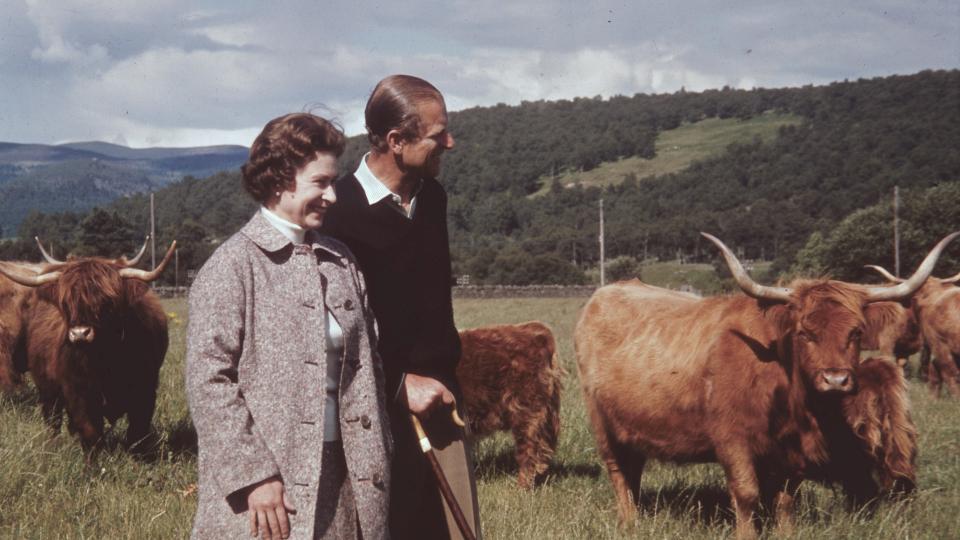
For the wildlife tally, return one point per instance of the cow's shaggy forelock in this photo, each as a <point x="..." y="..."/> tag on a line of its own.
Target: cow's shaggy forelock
<point x="89" y="291"/>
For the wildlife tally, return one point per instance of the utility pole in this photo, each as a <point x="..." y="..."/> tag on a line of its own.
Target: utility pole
<point x="896" y="231"/>
<point x="176" y="269"/>
<point x="153" y="240"/>
<point x="602" y="277"/>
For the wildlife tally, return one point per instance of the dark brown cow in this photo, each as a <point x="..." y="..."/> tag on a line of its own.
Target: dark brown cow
<point x="15" y="306"/>
<point x="511" y="380"/>
<point x="892" y="329"/>
<point x="94" y="343"/>
<point x="937" y="308"/>
<point x="750" y="382"/>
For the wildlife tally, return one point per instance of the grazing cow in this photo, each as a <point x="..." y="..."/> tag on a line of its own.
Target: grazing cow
<point x="746" y="381"/>
<point x="15" y="306"/>
<point x="95" y="342"/>
<point x="511" y="380"/>
<point x="937" y="308"/>
<point x="892" y="329"/>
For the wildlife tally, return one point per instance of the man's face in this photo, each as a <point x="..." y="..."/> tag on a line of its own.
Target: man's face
<point x="422" y="155"/>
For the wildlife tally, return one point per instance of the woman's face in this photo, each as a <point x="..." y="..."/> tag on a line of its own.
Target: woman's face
<point x="312" y="193"/>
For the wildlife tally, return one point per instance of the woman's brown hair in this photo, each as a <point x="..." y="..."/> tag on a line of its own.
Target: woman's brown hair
<point x="286" y="144"/>
<point x="393" y="105"/>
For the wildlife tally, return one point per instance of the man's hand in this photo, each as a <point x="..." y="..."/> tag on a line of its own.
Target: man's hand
<point x="423" y="395"/>
<point x="268" y="505"/>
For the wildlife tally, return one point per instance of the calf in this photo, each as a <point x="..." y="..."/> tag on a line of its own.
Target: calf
<point x="511" y="380"/>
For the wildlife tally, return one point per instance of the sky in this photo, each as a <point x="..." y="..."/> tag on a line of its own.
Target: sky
<point x="194" y="73"/>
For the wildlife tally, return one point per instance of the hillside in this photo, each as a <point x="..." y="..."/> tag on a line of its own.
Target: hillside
<point x="677" y="149"/>
<point x="79" y="176"/>
<point x="763" y="169"/>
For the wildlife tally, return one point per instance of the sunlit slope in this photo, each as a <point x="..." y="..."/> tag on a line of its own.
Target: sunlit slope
<point x="678" y="148"/>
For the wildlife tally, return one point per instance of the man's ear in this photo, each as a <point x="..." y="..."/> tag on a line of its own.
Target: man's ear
<point x="395" y="141"/>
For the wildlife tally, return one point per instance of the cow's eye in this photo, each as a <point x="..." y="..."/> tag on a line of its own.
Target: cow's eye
<point x="805" y="337"/>
<point x="855" y="335"/>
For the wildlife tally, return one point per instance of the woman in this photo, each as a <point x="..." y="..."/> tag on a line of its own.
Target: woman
<point x="279" y="330"/>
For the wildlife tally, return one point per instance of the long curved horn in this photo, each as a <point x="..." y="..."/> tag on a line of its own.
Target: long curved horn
<point x="34" y="280"/>
<point x="748" y="285"/>
<point x="145" y="276"/>
<point x="136" y="260"/>
<point x="953" y="279"/>
<point x="914" y="282"/>
<point x="883" y="272"/>
<point x="49" y="258"/>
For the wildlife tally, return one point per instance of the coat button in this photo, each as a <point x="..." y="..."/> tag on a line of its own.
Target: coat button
<point x="377" y="480"/>
<point x="365" y="422"/>
<point x="348" y="305"/>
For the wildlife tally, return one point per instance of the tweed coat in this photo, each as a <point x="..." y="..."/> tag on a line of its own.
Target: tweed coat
<point x="256" y="364"/>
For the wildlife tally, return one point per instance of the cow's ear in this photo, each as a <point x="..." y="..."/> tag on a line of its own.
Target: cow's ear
<point x="47" y="292"/>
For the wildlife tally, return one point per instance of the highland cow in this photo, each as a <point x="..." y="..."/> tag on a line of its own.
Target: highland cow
<point x="511" y="381"/>
<point x="94" y="343"/>
<point x="752" y="382"/>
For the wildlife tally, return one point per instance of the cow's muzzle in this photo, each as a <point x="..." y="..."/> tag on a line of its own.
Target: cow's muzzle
<point x="835" y="380"/>
<point x="81" y="334"/>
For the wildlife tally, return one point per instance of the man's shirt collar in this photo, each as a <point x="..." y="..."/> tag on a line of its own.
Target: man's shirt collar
<point x="376" y="191"/>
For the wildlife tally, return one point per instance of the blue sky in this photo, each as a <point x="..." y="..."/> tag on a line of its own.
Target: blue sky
<point x="185" y="73"/>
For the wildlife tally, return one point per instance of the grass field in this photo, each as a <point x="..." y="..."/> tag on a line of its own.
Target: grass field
<point x="47" y="491"/>
<point x="678" y="148"/>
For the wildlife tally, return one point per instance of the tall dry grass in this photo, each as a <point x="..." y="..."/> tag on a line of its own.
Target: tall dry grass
<point x="48" y="491"/>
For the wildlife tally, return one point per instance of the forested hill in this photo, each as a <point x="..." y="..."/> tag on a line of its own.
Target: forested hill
<point x="79" y="176"/>
<point x="842" y="147"/>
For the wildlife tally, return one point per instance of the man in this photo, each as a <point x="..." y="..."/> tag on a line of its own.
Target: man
<point x="392" y="213"/>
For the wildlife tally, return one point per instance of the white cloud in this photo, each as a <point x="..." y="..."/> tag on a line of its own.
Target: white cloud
<point x="170" y="70"/>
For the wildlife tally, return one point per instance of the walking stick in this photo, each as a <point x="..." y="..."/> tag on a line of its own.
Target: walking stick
<point x="442" y="483"/>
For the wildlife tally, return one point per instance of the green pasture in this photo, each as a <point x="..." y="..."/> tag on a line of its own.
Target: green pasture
<point x="679" y="148"/>
<point x="47" y="490"/>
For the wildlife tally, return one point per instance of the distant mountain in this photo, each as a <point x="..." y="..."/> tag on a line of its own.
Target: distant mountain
<point x="79" y="176"/>
<point x="123" y="152"/>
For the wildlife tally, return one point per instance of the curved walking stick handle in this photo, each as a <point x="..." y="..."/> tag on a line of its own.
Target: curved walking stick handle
<point x="456" y="417"/>
<point x="422" y="435"/>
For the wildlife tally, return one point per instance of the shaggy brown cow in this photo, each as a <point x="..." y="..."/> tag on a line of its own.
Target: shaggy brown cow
<point x="95" y="341"/>
<point x="937" y="308"/>
<point x="746" y="381"/>
<point x="15" y="302"/>
<point x="891" y="329"/>
<point x="511" y="380"/>
<point x="15" y="305"/>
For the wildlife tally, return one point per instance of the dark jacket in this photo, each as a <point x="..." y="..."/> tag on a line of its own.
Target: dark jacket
<point x="406" y="263"/>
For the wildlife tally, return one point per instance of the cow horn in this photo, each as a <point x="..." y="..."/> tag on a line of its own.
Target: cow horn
<point x="748" y="285"/>
<point x="914" y="282"/>
<point x="34" y="280"/>
<point x="136" y="260"/>
<point x="49" y="258"/>
<point x="143" y="275"/>
<point x="883" y="272"/>
<point x="953" y="279"/>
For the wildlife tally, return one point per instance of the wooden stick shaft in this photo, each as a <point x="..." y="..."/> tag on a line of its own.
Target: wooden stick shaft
<point x="442" y="482"/>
